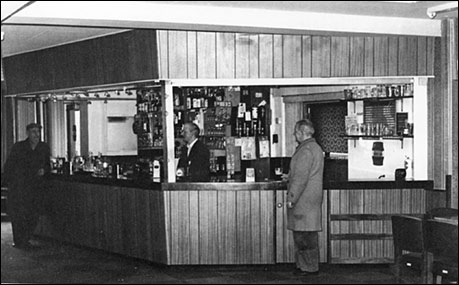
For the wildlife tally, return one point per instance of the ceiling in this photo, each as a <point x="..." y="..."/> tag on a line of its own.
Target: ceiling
<point x="33" y="25"/>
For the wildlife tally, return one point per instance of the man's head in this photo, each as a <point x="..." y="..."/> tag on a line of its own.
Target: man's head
<point x="190" y="132"/>
<point x="304" y="130"/>
<point x="33" y="132"/>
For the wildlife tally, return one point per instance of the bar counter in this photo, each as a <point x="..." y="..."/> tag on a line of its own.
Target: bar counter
<point x="224" y="223"/>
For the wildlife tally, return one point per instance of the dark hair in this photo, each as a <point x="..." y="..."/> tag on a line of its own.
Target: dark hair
<point x="306" y="125"/>
<point x="33" y="126"/>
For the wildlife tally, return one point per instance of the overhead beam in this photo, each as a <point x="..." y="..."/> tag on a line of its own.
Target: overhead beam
<point x="130" y="14"/>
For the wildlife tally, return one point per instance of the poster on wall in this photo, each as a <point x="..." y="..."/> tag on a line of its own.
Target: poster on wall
<point x="248" y="148"/>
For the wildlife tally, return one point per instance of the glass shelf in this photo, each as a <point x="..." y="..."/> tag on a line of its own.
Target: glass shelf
<point x="355" y="137"/>
<point x="376" y="98"/>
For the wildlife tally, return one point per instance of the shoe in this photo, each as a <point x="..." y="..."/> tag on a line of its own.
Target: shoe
<point x="299" y="272"/>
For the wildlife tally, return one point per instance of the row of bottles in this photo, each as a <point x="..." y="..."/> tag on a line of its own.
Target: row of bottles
<point x="250" y="123"/>
<point x="148" y="122"/>
<point x="378" y="91"/>
<point x="149" y="129"/>
<point x="198" y="97"/>
<point x="149" y="100"/>
<point x="148" y="169"/>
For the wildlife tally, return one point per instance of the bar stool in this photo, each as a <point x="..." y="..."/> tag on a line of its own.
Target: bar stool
<point x="440" y="241"/>
<point x="407" y="233"/>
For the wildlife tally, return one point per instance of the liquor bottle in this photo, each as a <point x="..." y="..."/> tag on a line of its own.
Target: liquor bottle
<point x="238" y="127"/>
<point x="261" y="120"/>
<point x="248" y="124"/>
<point x="254" y="126"/>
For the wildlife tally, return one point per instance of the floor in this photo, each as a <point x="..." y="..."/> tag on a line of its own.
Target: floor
<point x="52" y="262"/>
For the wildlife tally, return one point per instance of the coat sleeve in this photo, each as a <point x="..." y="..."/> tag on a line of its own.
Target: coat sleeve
<point x="47" y="158"/>
<point x="299" y="175"/>
<point x="10" y="165"/>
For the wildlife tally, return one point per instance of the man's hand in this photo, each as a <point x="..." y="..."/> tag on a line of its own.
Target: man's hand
<point x="285" y="177"/>
<point x="290" y="205"/>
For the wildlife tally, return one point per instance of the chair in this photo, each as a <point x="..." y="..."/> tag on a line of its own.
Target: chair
<point x="408" y="245"/>
<point x="441" y="213"/>
<point x="440" y="241"/>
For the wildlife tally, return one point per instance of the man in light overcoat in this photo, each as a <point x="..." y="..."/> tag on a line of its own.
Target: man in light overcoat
<point x="304" y="198"/>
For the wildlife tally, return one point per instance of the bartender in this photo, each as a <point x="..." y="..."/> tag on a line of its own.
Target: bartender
<point x="194" y="160"/>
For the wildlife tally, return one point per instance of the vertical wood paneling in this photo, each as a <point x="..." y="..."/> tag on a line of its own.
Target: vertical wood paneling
<point x="180" y="231"/>
<point x="163" y="54"/>
<point x="357" y="60"/>
<point x="178" y="61"/>
<point x="112" y="236"/>
<point x="284" y="238"/>
<point x="292" y="51"/>
<point x="344" y="225"/>
<point x="253" y="57"/>
<point x="369" y="56"/>
<point x="225" y="55"/>
<point x="278" y="57"/>
<point x="356" y="207"/>
<point x="280" y="224"/>
<point x="381" y="56"/>
<point x="255" y="227"/>
<point x="334" y="226"/>
<point x="267" y="227"/>
<point x="393" y="56"/>
<point x="321" y="56"/>
<point x="126" y="221"/>
<point x="340" y="56"/>
<point x="194" y="227"/>
<point x="379" y="224"/>
<point x="227" y="225"/>
<point x="374" y="202"/>
<point x="422" y="56"/>
<point x="208" y="227"/>
<point x="243" y="231"/>
<point x="206" y="55"/>
<point x="407" y="55"/>
<point x="323" y="235"/>
<point x="266" y="56"/>
<point x="143" y="57"/>
<point x="430" y="55"/>
<point x="242" y="55"/>
<point x="191" y="55"/>
<point x="306" y="55"/>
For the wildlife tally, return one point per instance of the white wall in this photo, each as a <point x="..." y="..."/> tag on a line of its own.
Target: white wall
<point x="111" y="138"/>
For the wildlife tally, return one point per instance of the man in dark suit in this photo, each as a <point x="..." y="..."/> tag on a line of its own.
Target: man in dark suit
<point x="25" y="170"/>
<point x="195" y="158"/>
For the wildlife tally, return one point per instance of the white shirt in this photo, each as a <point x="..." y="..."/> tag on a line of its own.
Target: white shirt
<point x="190" y="146"/>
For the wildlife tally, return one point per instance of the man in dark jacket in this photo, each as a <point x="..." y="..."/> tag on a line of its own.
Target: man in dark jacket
<point x="304" y="198"/>
<point x="195" y="157"/>
<point x="24" y="172"/>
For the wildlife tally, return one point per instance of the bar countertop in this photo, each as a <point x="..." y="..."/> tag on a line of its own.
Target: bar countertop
<point x="268" y="185"/>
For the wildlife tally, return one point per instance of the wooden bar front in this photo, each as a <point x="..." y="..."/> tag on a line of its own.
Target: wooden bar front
<point x="224" y="223"/>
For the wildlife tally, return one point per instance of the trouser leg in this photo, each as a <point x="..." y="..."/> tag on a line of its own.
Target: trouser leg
<point x="24" y="220"/>
<point x="306" y="250"/>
